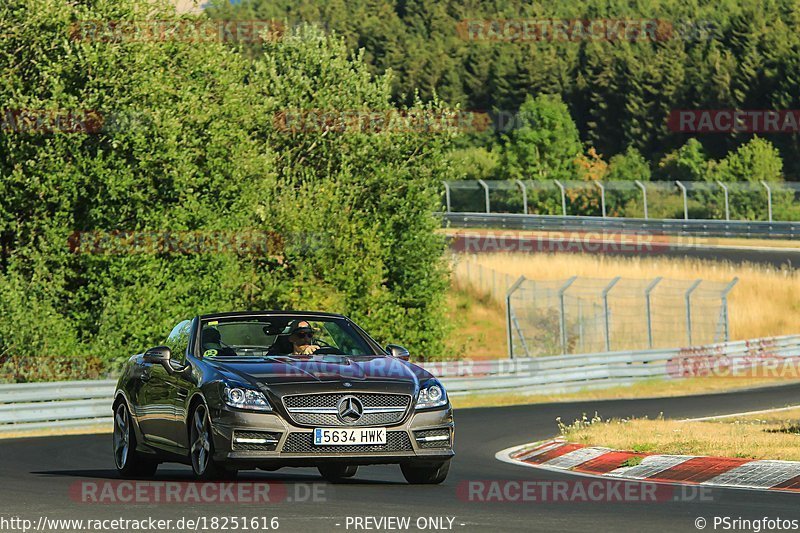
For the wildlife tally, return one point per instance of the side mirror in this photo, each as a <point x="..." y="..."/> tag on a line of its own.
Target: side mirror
<point x="158" y="355"/>
<point x="398" y="352"/>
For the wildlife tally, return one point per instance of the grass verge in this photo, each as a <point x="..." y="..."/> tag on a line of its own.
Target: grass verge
<point x="88" y="430"/>
<point x="764" y="436"/>
<point x="479" y="327"/>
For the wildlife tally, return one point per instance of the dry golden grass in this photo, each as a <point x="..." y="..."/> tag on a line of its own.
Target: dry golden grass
<point x="788" y="416"/>
<point x="643" y="389"/>
<point x="733" y="438"/>
<point x="479" y="328"/>
<point x="766" y="301"/>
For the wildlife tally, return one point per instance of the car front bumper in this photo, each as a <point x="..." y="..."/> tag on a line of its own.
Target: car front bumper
<point x="419" y="439"/>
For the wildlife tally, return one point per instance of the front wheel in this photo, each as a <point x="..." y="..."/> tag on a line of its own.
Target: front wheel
<point x="202" y="448"/>
<point x="425" y="474"/>
<point x="129" y="463"/>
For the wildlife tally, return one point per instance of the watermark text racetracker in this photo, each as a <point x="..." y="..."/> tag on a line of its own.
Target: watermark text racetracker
<point x="197" y="523"/>
<point x="577" y="491"/>
<point x="562" y="242"/>
<point x="115" y="492"/>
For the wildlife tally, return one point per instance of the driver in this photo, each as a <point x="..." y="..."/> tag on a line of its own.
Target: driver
<point x="302" y="339"/>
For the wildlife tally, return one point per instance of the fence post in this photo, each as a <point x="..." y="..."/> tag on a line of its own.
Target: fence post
<point x="725" y="292"/>
<point x="769" y="199"/>
<point x="644" y="196"/>
<point x="562" y="313"/>
<point x="580" y="326"/>
<point x="486" y="194"/>
<point x="602" y="197"/>
<point x="689" y="309"/>
<point x="524" y="196"/>
<point x="647" y="292"/>
<point x="562" y="316"/>
<point x="509" y="316"/>
<point x="447" y="195"/>
<point x="605" y="311"/>
<point x="563" y="197"/>
<point x="685" y="200"/>
<point x="727" y="205"/>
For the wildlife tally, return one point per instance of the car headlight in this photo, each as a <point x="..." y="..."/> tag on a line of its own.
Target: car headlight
<point x="431" y="395"/>
<point x="246" y="399"/>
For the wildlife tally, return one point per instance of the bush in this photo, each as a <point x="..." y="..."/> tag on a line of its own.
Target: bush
<point x="190" y="144"/>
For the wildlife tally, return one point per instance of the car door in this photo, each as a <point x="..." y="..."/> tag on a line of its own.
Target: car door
<point x="179" y="381"/>
<point x="155" y="411"/>
<point x="159" y="395"/>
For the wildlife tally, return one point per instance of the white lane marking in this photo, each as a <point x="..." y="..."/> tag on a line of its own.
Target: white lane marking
<point x="746" y="413"/>
<point x="505" y="456"/>
<point x="760" y="474"/>
<point x="577" y="457"/>
<point x="650" y="466"/>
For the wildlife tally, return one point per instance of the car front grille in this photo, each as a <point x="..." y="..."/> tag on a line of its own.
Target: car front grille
<point x="396" y="441"/>
<point x="259" y="441"/>
<point x="326" y="420"/>
<point x="320" y="409"/>
<point x="433" y="438"/>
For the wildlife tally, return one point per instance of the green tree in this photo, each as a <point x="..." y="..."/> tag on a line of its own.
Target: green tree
<point x="190" y="142"/>
<point x="745" y="169"/>
<point x="687" y="163"/>
<point x="628" y="166"/>
<point x="543" y="143"/>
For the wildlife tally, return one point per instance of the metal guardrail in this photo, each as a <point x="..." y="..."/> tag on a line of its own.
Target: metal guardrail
<point x="693" y="227"/>
<point x="567" y="373"/>
<point x="62" y="404"/>
<point x="32" y="406"/>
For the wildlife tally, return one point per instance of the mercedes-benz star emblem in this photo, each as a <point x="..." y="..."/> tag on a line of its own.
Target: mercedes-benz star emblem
<point x="349" y="409"/>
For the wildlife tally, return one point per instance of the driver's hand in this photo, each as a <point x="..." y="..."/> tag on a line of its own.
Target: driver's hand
<point x="308" y="349"/>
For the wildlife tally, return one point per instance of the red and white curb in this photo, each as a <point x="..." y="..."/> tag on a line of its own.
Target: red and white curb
<point x="562" y="456"/>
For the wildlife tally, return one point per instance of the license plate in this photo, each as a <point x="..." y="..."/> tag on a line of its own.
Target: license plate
<point x="349" y="436"/>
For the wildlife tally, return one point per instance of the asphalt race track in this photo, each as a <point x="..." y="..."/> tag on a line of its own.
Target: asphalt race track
<point x="765" y="255"/>
<point x="37" y="474"/>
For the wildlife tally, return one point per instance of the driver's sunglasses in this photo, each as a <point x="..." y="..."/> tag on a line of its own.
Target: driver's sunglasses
<point x="306" y="335"/>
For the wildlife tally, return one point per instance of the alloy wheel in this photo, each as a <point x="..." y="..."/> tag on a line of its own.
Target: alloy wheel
<point x="122" y="436"/>
<point x="201" y="440"/>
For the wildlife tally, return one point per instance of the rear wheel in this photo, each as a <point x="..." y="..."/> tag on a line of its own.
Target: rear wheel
<point x="425" y="474"/>
<point x="335" y="473"/>
<point x="202" y="448"/>
<point x="129" y="463"/>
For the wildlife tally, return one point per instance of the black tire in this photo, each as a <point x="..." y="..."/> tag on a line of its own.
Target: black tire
<point x="336" y="473"/>
<point x="129" y="462"/>
<point x="425" y="474"/>
<point x="201" y="448"/>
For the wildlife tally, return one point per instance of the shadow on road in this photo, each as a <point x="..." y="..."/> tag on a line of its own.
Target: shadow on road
<point x="184" y="476"/>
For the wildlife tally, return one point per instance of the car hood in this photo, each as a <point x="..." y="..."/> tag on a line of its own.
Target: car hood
<point x="278" y="370"/>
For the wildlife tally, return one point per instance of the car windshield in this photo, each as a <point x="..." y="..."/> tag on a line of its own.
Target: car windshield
<point x="296" y="335"/>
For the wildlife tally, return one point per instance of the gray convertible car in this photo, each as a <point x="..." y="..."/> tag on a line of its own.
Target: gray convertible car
<point x="272" y="389"/>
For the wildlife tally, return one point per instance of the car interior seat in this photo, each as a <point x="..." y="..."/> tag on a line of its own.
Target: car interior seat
<point x="212" y="340"/>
